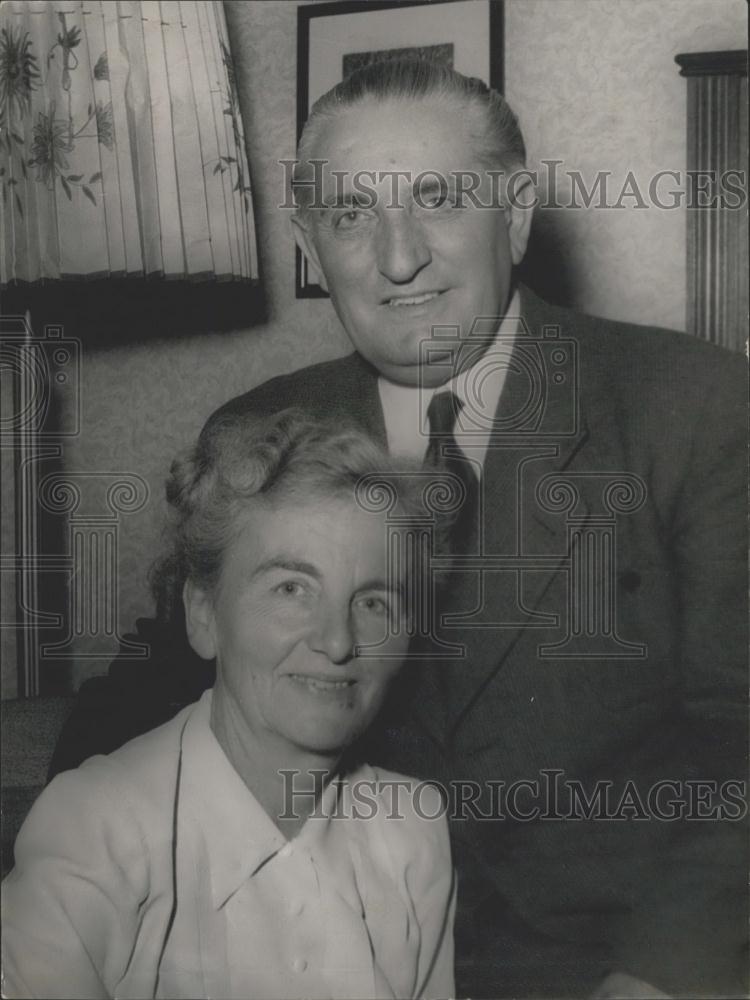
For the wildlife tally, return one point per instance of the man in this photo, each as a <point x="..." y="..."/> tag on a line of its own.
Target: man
<point x="591" y="633"/>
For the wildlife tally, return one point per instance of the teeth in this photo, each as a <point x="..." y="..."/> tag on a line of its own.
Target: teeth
<point x="317" y="684"/>
<point x="415" y="300"/>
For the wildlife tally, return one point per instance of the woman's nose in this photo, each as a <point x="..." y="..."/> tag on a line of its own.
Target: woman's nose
<point x="334" y="636"/>
<point x="402" y="250"/>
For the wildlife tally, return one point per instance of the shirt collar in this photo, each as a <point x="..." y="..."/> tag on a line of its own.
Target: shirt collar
<point x="238" y="835"/>
<point x="479" y="389"/>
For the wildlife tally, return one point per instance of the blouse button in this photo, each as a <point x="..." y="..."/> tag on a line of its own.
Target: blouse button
<point x="299" y="965"/>
<point x="286" y="851"/>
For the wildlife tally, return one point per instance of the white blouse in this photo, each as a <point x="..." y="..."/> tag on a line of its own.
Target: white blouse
<point x="208" y="899"/>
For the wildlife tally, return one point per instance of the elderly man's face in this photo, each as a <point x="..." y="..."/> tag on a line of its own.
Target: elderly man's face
<point x="302" y="585"/>
<point x="398" y="269"/>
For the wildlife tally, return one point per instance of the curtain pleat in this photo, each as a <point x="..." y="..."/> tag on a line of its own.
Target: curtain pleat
<point x="122" y="151"/>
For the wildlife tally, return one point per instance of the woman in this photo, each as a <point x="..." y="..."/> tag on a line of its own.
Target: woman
<point x="239" y="850"/>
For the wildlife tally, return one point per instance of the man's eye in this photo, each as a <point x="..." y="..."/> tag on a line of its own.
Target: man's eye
<point x="435" y="199"/>
<point x="432" y="196"/>
<point x="350" y="219"/>
<point x="290" y="588"/>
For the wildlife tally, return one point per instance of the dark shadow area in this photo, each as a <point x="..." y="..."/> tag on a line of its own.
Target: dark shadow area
<point x="30" y="729"/>
<point x="547" y="267"/>
<point x="112" y="312"/>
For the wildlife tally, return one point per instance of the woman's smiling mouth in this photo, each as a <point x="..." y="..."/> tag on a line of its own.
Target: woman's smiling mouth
<point x="323" y="685"/>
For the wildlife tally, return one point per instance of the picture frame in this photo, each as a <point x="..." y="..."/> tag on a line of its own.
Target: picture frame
<point x="335" y="38"/>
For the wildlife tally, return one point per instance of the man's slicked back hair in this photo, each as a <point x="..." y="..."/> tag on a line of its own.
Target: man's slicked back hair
<point x="497" y="135"/>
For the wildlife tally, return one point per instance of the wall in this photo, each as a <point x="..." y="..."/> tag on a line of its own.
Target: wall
<point x="594" y="84"/>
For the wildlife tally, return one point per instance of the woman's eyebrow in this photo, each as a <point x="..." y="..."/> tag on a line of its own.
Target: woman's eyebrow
<point x="287" y="563"/>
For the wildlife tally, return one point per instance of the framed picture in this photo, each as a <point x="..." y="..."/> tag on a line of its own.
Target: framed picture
<point x="334" y="39"/>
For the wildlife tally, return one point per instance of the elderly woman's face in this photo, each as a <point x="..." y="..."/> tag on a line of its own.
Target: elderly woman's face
<point x="301" y="586"/>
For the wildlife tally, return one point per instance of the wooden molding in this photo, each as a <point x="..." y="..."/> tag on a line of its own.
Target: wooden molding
<point x="730" y="63"/>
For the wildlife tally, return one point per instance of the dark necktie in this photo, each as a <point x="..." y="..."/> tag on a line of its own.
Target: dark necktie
<point x="443" y="454"/>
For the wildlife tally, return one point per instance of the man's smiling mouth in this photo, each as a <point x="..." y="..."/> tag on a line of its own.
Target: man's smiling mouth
<point x="412" y="300"/>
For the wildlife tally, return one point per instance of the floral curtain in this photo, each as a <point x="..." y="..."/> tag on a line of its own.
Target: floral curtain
<point x="121" y="143"/>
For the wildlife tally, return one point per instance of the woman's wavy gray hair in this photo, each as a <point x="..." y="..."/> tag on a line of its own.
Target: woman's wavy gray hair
<point x="241" y="459"/>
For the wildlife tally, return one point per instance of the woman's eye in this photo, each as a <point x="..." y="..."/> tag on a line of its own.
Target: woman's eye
<point x="373" y="605"/>
<point x="290" y="588"/>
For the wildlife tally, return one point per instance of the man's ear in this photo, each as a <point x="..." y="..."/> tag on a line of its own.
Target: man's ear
<point x="519" y="210"/>
<point x="199" y="620"/>
<point x="306" y="243"/>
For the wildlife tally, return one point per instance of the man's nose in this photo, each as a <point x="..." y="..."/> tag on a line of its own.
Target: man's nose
<point x="402" y="248"/>
<point x="333" y="636"/>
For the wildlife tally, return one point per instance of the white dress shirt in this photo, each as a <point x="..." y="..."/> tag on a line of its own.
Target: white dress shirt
<point x="208" y="899"/>
<point x="478" y="387"/>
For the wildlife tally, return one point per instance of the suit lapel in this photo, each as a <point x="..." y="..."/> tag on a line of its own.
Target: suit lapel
<point x="538" y="430"/>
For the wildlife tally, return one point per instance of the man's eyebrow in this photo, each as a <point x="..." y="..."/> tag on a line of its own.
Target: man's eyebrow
<point x="352" y="200"/>
<point x="287" y="563"/>
<point x="431" y="185"/>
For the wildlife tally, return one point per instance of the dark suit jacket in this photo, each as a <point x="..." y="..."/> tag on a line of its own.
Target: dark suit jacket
<point x="646" y="687"/>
